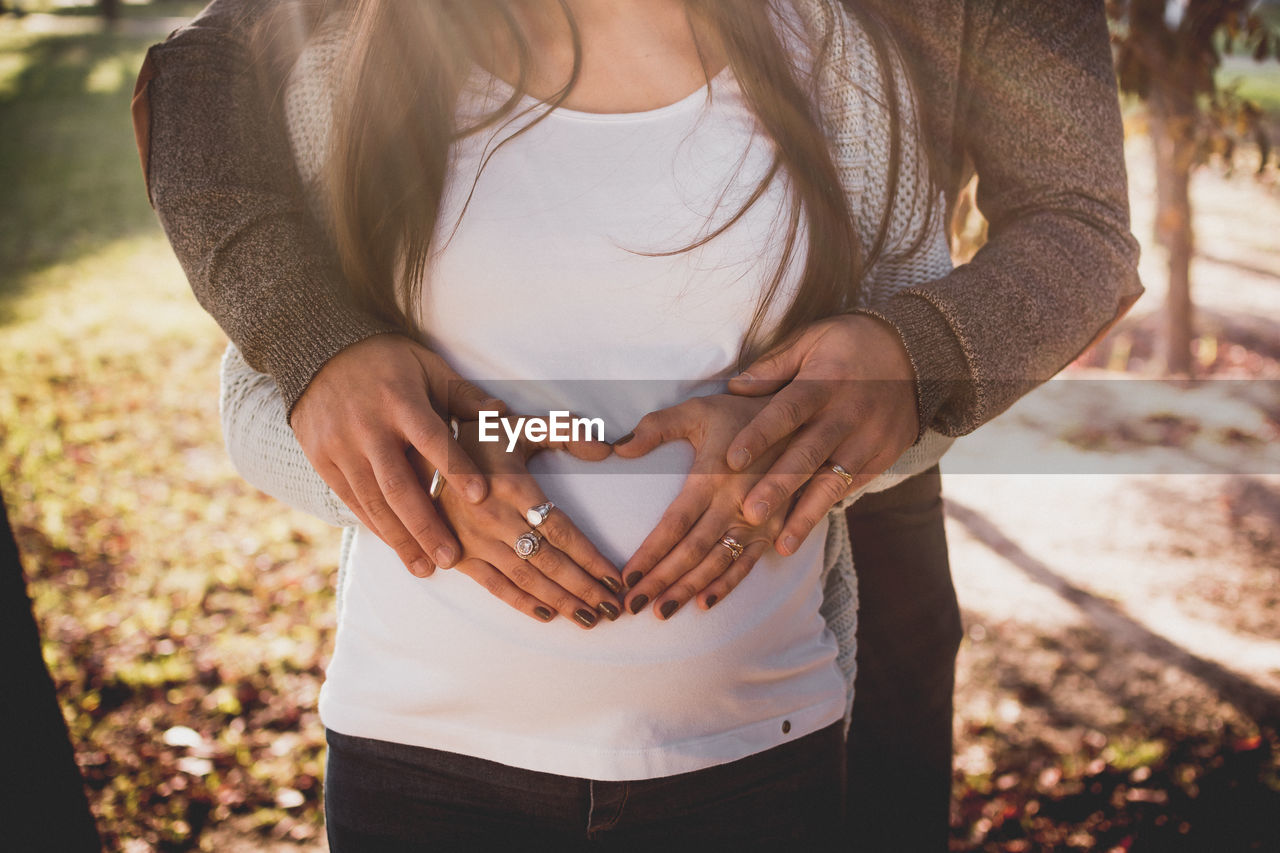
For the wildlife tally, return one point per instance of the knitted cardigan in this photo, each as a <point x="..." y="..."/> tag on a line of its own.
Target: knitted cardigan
<point x="1022" y="91"/>
<point x="851" y="91"/>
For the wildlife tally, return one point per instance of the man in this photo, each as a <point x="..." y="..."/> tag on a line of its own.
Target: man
<point x="1022" y="91"/>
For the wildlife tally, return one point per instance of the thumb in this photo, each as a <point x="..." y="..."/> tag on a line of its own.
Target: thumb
<point x="771" y="371"/>
<point x="655" y="429"/>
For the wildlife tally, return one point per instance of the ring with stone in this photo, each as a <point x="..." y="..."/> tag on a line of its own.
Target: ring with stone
<point x="735" y="547"/>
<point x="844" y="473"/>
<point x="527" y="544"/>
<point x="538" y="514"/>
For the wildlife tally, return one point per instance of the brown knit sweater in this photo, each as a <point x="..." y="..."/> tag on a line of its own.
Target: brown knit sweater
<point x="1021" y="90"/>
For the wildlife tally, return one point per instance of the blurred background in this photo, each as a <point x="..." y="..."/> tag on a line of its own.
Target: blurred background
<point x="1119" y="683"/>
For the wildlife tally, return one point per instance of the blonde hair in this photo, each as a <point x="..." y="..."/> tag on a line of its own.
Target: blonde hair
<point x="404" y="60"/>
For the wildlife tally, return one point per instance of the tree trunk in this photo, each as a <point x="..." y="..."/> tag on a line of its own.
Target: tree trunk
<point x="1172" y="135"/>
<point x="110" y="10"/>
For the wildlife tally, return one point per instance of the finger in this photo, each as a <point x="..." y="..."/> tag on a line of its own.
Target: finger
<point x="378" y="517"/>
<point x="565" y="535"/>
<point x="584" y="440"/>
<point x="789" y="409"/>
<point x="588" y="451"/>
<point x="676" y="522"/>
<point x="769" y="373"/>
<point x="337" y="481"/>
<point x="808" y="453"/>
<point x="714" y="564"/>
<point x="458" y="397"/>
<point x="432" y="438"/>
<point x="499" y="586"/>
<point x="592" y="577"/>
<point x="403" y="494"/>
<point x="557" y="567"/>
<point x="529" y="578"/>
<point x="821" y="494"/>
<point x="655" y="429"/>
<point x="716" y="591"/>
<point x="678" y="562"/>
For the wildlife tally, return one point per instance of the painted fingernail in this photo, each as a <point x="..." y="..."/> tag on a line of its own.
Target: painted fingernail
<point x="711" y="601"/>
<point x="421" y="568"/>
<point x="790" y="544"/>
<point x="638" y="603"/>
<point x="635" y="578"/>
<point x="475" y="493"/>
<point x="608" y="608"/>
<point x="668" y="608"/>
<point x="611" y="584"/>
<point x="444" y="556"/>
<point x="760" y="509"/>
<point x="739" y="459"/>
<point x="543" y="613"/>
<point x="585" y="618"/>
<point x="624" y="439"/>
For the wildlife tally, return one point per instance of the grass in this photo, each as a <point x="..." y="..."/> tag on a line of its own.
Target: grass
<point x="1256" y="81"/>
<point x="72" y="181"/>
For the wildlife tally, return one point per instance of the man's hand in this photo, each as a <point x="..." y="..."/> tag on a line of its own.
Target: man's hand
<point x="843" y="393"/>
<point x="368" y="406"/>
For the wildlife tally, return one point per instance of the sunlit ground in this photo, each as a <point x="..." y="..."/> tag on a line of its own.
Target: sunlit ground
<point x="1118" y="683"/>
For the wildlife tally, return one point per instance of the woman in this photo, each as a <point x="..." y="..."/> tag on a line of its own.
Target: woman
<point x="732" y="173"/>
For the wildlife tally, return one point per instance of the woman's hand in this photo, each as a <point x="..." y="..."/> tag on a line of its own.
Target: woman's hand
<point x="369" y="404"/>
<point x="683" y="557"/>
<point x="566" y="575"/>
<point x="843" y="392"/>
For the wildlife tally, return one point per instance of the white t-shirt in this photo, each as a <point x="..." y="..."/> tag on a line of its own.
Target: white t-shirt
<point x="548" y="295"/>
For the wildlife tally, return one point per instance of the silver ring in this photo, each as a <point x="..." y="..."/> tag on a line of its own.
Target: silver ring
<point x="437" y="479"/>
<point x="735" y="547"/>
<point x="527" y="544"/>
<point x="538" y="514"/>
<point x="844" y="474"/>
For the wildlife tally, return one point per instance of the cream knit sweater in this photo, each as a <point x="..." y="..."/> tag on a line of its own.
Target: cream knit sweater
<point x="852" y="98"/>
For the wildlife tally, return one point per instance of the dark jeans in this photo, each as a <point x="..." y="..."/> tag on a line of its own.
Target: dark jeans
<point x="899" y="750"/>
<point x="389" y="798"/>
<point x="42" y="801"/>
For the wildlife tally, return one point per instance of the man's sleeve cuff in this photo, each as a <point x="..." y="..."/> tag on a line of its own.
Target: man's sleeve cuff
<point x="936" y="356"/>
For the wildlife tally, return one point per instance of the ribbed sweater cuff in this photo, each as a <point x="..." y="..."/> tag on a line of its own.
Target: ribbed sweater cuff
<point x="936" y="356"/>
<point x="294" y="358"/>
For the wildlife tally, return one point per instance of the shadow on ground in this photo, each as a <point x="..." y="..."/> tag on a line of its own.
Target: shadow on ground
<point x="68" y="191"/>
<point x="1104" y="734"/>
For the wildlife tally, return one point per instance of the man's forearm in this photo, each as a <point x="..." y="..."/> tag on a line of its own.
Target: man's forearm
<point x="222" y="178"/>
<point x="1041" y="122"/>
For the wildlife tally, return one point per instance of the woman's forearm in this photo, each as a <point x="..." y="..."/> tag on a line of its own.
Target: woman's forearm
<point x="264" y="449"/>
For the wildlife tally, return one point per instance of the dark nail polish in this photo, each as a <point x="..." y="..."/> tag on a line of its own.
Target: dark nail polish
<point x="669" y="608"/>
<point x="543" y="613"/>
<point x="608" y="608"/>
<point x="624" y="439"/>
<point x="634" y="578"/>
<point x="638" y="603"/>
<point x="711" y="601"/>
<point x="585" y="618"/>
<point x="610" y="584"/>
